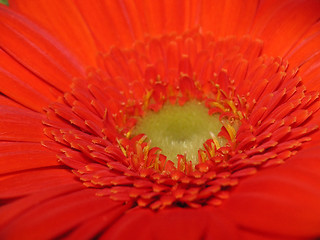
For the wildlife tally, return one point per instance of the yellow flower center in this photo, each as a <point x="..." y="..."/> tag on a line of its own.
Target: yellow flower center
<point x="180" y="129"/>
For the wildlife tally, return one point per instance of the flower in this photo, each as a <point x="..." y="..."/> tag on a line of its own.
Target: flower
<point x="80" y="78"/>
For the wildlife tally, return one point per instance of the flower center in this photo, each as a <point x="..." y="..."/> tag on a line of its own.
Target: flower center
<point x="180" y="129"/>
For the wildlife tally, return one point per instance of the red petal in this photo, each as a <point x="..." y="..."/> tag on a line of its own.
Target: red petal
<point x="25" y="183"/>
<point x="133" y="225"/>
<point x="291" y="18"/>
<point x="224" y="18"/>
<point x="8" y="102"/>
<point x="37" y="50"/>
<point x="310" y="72"/>
<point x="282" y="200"/>
<point x="92" y="227"/>
<point x="10" y="211"/>
<point x="77" y="38"/>
<point x="203" y="223"/>
<point x="99" y="14"/>
<point x="19" y="156"/>
<point x="65" y="212"/>
<point x="176" y="223"/>
<point x="22" y="86"/>
<point x="307" y="47"/>
<point x="20" y="125"/>
<point x="248" y="234"/>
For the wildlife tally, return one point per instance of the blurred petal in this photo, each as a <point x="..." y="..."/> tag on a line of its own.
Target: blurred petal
<point x="137" y="225"/>
<point x="78" y="38"/>
<point x="282" y="24"/>
<point x="172" y="224"/>
<point x="66" y="211"/>
<point x="283" y="200"/>
<point x="19" y="156"/>
<point x="224" y="18"/>
<point x="16" y="208"/>
<point x="50" y="61"/>
<point x="20" y="125"/>
<point x="33" y="181"/>
<point x="22" y="86"/>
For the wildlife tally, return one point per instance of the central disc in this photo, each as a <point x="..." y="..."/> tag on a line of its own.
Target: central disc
<point x="179" y="129"/>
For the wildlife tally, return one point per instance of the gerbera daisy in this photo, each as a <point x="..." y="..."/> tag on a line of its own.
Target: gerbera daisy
<point x="159" y="119"/>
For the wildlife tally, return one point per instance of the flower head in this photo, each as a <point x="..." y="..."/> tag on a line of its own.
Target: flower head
<point x="199" y="123"/>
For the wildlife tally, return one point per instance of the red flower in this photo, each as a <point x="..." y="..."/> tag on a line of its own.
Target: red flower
<point x="77" y="77"/>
